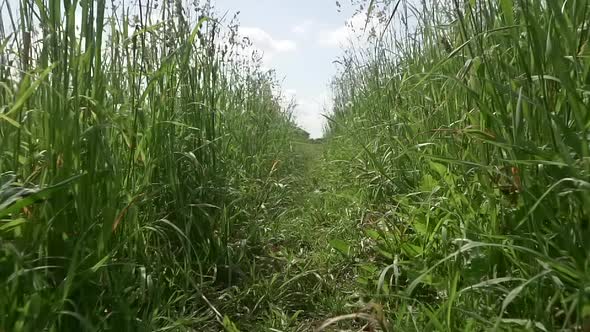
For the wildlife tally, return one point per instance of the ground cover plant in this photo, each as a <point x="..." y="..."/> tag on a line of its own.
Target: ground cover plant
<point x="152" y="178"/>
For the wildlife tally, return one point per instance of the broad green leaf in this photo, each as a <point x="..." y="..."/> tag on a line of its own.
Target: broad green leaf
<point x="428" y="183"/>
<point x="12" y="224"/>
<point x="411" y="250"/>
<point x="420" y="227"/>
<point x="507" y="9"/>
<point x="373" y="234"/>
<point x="516" y="291"/>
<point x="27" y="89"/>
<point x="9" y="120"/>
<point x="100" y="263"/>
<point x="21" y="202"/>
<point x="517" y="118"/>
<point x="439" y="168"/>
<point x="341" y="246"/>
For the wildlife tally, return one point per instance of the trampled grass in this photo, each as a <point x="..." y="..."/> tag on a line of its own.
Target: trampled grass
<point x="151" y="179"/>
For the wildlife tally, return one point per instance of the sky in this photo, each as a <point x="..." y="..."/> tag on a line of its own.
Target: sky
<point x="300" y="40"/>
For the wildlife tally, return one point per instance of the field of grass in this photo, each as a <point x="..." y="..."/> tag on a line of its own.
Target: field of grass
<point x="151" y="178"/>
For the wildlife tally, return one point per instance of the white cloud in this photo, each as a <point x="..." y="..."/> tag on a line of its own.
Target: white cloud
<point x="290" y="93"/>
<point x="308" y="113"/>
<point x="262" y="41"/>
<point x="302" y="28"/>
<point x="335" y="38"/>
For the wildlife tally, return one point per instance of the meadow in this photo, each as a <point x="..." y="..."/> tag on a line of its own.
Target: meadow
<point x="152" y="177"/>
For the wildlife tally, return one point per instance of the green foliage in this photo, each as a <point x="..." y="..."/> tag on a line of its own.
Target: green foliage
<point x="468" y="134"/>
<point x="151" y="180"/>
<point x="136" y="143"/>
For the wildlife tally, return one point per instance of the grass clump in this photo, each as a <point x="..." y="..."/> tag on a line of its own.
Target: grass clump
<point x="135" y="144"/>
<point x="467" y="130"/>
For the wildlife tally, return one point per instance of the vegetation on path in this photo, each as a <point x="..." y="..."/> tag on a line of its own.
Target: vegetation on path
<point x="152" y="179"/>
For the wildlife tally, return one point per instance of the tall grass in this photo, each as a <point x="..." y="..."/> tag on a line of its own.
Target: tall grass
<point x="129" y="137"/>
<point x="468" y="134"/>
<point x="142" y="153"/>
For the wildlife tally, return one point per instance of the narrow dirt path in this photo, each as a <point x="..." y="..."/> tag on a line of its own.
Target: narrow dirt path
<point x="314" y="281"/>
<point x="303" y="273"/>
